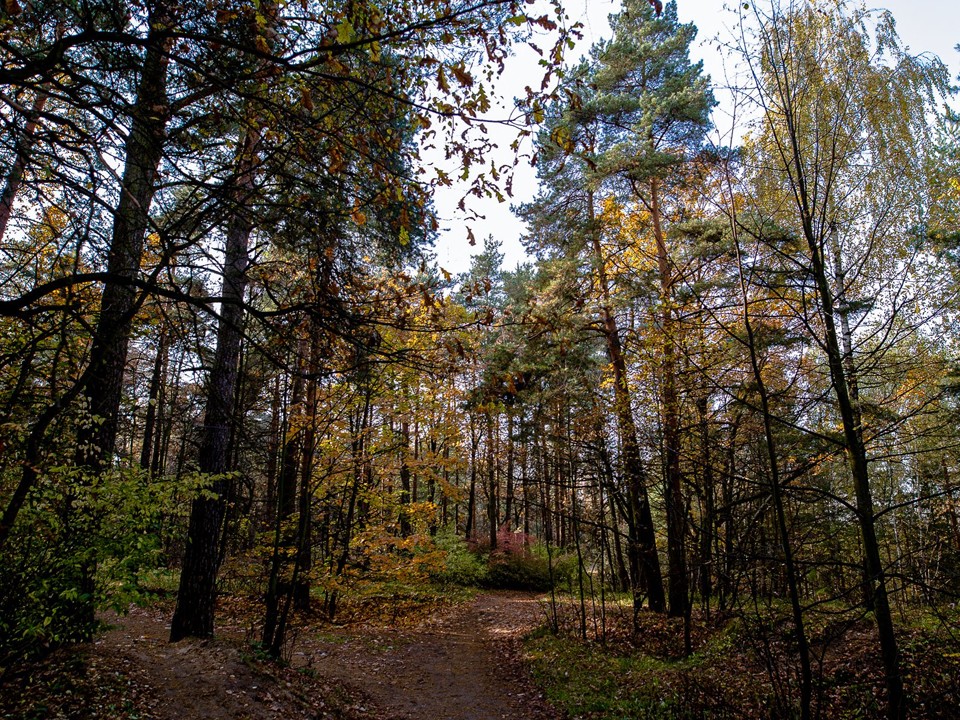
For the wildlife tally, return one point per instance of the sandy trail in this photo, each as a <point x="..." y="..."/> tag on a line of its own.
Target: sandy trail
<point x="460" y="665"/>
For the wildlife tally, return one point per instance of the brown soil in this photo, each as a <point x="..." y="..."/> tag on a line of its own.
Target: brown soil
<point x="461" y="663"/>
<point x="209" y="679"/>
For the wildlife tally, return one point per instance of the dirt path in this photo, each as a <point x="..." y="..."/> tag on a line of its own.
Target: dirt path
<point x="461" y="665"/>
<point x="202" y="679"/>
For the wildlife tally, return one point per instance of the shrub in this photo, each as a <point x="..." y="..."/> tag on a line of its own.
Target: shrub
<point x="518" y="572"/>
<point x="461" y="566"/>
<point x="70" y="526"/>
<point x="519" y="563"/>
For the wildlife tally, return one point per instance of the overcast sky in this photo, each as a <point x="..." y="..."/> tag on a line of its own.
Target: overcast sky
<point x="924" y="26"/>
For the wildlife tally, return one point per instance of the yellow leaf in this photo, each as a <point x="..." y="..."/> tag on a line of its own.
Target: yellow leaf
<point x="561" y="136"/>
<point x="345" y="31"/>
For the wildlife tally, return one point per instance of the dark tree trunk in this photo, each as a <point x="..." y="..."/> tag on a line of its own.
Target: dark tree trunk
<point x="279" y="584"/>
<point x="776" y="492"/>
<point x="274" y="442"/>
<point x="849" y="409"/>
<point x="153" y="402"/>
<point x="491" y="482"/>
<point x="508" y="501"/>
<point x="727" y="589"/>
<point x="301" y="590"/>
<point x="20" y="160"/>
<point x="673" y="494"/>
<point x="144" y="149"/>
<point x="707" y="522"/>
<point x="559" y="480"/>
<point x="405" y="528"/>
<point x="444" y="494"/>
<point x="165" y="424"/>
<point x="194" y="614"/>
<point x="642" y="545"/>
<point x="287" y="480"/>
<point x="432" y="482"/>
<point x="469" y="528"/>
<point x="525" y="494"/>
<point x="96" y="438"/>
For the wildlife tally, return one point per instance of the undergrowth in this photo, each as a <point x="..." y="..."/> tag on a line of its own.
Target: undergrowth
<point x="741" y="668"/>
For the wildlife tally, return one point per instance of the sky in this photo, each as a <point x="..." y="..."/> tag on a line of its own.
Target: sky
<point x="925" y="26"/>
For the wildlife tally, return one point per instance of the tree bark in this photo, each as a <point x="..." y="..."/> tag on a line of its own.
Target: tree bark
<point x="143" y="150"/>
<point x="707" y="522"/>
<point x="673" y="493"/>
<point x="469" y="528"/>
<point x="405" y="528"/>
<point x="511" y="469"/>
<point x="857" y="458"/>
<point x="642" y="544"/>
<point x="301" y="590"/>
<point x="776" y="492"/>
<point x="153" y="401"/>
<point x="194" y="614"/>
<point x="491" y="482"/>
<point x="278" y="585"/>
<point x="20" y="161"/>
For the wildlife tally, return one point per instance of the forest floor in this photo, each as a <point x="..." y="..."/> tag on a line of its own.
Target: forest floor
<point x="462" y="663"/>
<point x="450" y="655"/>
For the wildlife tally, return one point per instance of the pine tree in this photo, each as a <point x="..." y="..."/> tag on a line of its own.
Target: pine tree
<point x="652" y="105"/>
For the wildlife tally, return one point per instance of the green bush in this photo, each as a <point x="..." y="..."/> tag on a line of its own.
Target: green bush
<point x="529" y="568"/>
<point x="516" y="564"/>
<point x="518" y="572"/>
<point x="40" y="603"/>
<point x="461" y="565"/>
<point x="81" y="544"/>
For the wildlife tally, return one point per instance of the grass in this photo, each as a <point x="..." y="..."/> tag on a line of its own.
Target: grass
<point x="744" y="666"/>
<point x="588" y="681"/>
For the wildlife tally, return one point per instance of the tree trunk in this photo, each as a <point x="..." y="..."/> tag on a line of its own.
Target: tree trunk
<point x="301" y="590"/>
<point x="97" y="437"/>
<point x="153" y="402"/>
<point x="194" y="614"/>
<point x="673" y="494"/>
<point x="707" y="521"/>
<point x="284" y="538"/>
<point x="405" y="528"/>
<point x="469" y="528"/>
<point x="274" y="443"/>
<point x="508" y="502"/>
<point x="857" y="457"/>
<point x="491" y="482"/>
<point x="803" y="646"/>
<point x="642" y="544"/>
<point x="144" y="149"/>
<point x="20" y="161"/>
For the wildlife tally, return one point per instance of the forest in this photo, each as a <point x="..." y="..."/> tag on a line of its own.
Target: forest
<point x="712" y="419"/>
